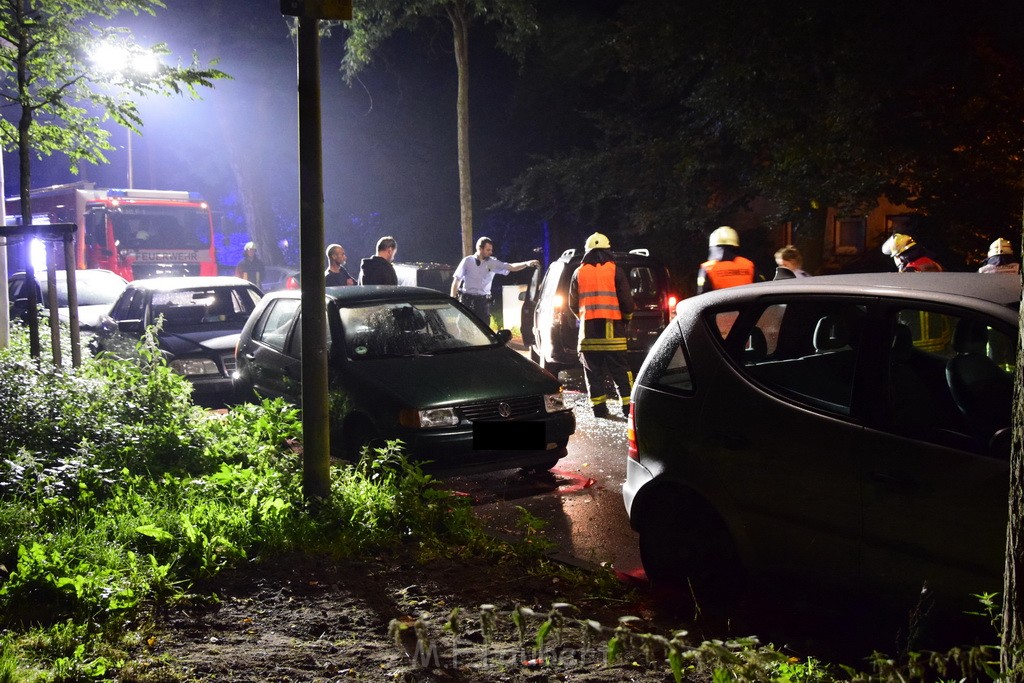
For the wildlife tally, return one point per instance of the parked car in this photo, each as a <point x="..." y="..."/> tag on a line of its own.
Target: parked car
<point x="97" y="290"/>
<point x="550" y="330"/>
<point x="279" y="277"/>
<point x="849" y="432"/>
<point x="410" y="363"/>
<point x="199" y="320"/>
<point x="436" y="276"/>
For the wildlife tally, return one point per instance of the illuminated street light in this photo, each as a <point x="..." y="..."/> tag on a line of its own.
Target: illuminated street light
<point x="120" y="62"/>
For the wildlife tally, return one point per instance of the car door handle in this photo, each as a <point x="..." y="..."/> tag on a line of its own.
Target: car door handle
<point x="249" y="356"/>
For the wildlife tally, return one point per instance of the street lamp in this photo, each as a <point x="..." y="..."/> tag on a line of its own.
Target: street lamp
<point x="121" y="63"/>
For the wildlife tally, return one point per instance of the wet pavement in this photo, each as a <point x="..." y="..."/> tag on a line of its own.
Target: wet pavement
<point x="579" y="501"/>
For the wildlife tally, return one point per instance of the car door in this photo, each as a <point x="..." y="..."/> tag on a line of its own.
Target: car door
<point x="526" y="314"/>
<point x="270" y="369"/>
<point x="780" y="430"/>
<point x="935" y="489"/>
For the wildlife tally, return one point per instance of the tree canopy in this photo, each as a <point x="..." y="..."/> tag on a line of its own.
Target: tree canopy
<point x="696" y="109"/>
<point x="374" y="21"/>
<point x="50" y="76"/>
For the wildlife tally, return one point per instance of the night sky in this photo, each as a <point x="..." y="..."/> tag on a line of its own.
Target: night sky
<point x="389" y="139"/>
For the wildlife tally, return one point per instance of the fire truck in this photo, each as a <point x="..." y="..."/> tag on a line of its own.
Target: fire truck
<point x="135" y="233"/>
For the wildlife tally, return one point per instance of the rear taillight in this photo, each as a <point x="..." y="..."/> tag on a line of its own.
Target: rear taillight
<point x="631" y="450"/>
<point x="291" y="283"/>
<point x="670" y="304"/>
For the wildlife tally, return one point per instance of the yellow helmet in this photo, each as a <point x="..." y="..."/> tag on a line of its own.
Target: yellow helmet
<point x="598" y="241"/>
<point x="724" y="236"/>
<point x="897" y="244"/>
<point x="1000" y="246"/>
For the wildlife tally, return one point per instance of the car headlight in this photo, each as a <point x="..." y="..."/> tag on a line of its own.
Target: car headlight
<point x="195" y="366"/>
<point x="425" y="419"/>
<point x="554" y="403"/>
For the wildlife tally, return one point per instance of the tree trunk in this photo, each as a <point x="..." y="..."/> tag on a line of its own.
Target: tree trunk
<point x="25" y="180"/>
<point x="1012" y="656"/>
<point x="460" y="33"/>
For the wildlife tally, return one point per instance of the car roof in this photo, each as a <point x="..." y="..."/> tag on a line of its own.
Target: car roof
<point x="190" y="282"/>
<point x="1002" y="289"/>
<point x="633" y="255"/>
<point x="362" y="294"/>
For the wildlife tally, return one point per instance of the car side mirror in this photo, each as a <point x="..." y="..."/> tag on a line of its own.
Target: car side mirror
<point x="504" y="336"/>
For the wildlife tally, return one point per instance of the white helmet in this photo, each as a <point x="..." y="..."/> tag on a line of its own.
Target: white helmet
<point x="724" y="236"/>
<point x="598" y="241"/>
<point x="897" y="244"/>
<point x="1000" y="246"/>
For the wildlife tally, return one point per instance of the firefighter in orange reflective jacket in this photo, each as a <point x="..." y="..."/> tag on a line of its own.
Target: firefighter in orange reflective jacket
<point x="600" y="296"/>
<point x="724" y="267"/>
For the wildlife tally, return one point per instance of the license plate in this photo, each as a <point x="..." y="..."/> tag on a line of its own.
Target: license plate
<point x="509" y="436"/>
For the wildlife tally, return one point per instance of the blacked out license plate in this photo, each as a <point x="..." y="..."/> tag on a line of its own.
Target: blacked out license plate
<point x="509" y="436"/>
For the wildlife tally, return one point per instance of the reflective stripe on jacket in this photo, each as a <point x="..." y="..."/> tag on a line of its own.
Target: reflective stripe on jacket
<point x="598" y="298"/>
<point x="723" y="274"/>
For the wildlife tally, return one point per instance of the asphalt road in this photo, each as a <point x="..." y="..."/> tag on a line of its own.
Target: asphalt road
<point x="579" y="501"/>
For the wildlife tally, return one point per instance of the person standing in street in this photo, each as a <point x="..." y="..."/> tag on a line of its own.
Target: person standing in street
<point x="600" y="296"/>
<point x="1000" y="258"/>
<point x="909" y="256"/>
<point x="724" y="267"/>
<point x="250" y="267"/>
<point x="336" y="275"/>
<point x="377" y="269"/>
<point x="472" y="279"/>
<point x="790" y="263"/>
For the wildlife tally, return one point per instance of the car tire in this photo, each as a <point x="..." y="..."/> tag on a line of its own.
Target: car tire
<point x="686" y="547"/>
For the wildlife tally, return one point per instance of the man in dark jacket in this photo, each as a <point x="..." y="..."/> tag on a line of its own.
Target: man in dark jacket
<point x="600" y="296"/>
<point x="377" y="270"/>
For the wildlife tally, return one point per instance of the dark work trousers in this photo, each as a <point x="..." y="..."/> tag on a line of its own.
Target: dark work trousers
<point x="606" y="370"/>
<point x="481" y="305"/>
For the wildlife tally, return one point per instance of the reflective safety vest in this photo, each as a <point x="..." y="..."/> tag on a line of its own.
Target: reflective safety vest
<point x="723" y="274"/>
<point x="597" y="292"/>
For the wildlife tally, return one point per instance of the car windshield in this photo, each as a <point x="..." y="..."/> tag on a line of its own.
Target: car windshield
<point x="191" y="309"/>
<point x="410" y="329"/>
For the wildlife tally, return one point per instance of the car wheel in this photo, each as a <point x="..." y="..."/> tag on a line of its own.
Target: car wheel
<point x="687" y="547"/>
<point x="543" y="467"/>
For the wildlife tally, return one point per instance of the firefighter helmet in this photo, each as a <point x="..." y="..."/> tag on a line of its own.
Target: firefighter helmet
<point x="1000" y="246"/>
<point x="598" y="241"/>
<point x="724" y="236"/>
<point x="897" y="244"/>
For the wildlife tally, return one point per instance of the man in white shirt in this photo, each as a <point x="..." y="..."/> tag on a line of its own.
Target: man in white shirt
<point x="471" y="282"/>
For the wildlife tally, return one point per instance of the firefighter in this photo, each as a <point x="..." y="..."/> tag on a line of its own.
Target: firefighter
<point x="908" y="255"/>
<point x="1000" y="258"/>
<point x="600" y="296"/>
<point x="724" y="267"/>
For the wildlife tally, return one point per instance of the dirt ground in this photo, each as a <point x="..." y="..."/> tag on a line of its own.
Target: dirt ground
<point x="303" y="620"/>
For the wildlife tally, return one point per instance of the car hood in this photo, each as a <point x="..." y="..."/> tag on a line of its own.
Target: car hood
<point x="192" y="342"/>
<point x="89" y="317"/>
<point x="423" y="381"/>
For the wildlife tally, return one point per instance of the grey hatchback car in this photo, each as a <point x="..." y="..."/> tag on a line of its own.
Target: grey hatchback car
<point x="846" y="431"/>
<point x="412" y="363"/>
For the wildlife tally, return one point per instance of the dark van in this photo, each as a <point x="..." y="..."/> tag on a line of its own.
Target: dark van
<point x="550" y="329"/>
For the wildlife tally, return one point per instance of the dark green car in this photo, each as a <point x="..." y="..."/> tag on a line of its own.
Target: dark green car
<point x="413" y="364"/>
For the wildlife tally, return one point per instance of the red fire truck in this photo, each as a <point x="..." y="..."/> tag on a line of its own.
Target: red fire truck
<point x="135" y="233"/>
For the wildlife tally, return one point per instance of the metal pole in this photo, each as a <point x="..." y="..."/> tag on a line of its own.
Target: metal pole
<point x="316" y="473"/>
